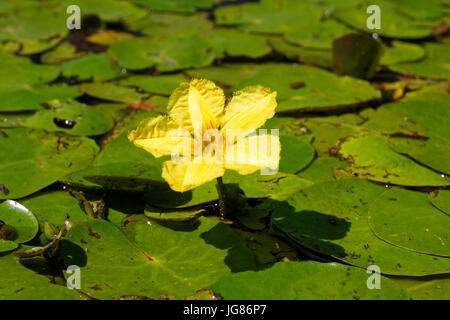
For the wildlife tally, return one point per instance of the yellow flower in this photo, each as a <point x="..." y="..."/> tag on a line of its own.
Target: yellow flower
<point x="198" y="120"/>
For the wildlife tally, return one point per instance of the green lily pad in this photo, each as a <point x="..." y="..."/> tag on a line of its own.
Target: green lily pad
<point x="296" y="153"/>
<point x="149" y="262"/>
<point x="400" y="52"/>
<point x="31" y="97"/>
<point x="319" y="89"/>
<point x="307" y="280"/>
<point x="371" y="158"/>
<point x="163" y="84"/>
<point x="435" y="65"/>
<point x="416" y="224"/>
<point x="35" y="46"/>
<point x="169" y="54"/>
<point x="336" y="225"/>
<point x="163" y="215"/>
<point x="391" y="122"/>
<point x="22" y="220"/>
<point x="277" y="186"/>
<point x="20" y="283"/>
<point x="319" y="35"/>
<point x="71" y="117"/>
<point x="126" y="182"/>
<point x="112" y="92"/>
<point x="6" y="245"/>
<point x="229" y="42"/>
<point x="395" y="22"/>
<point x="322" y="169"/>
<point x="441" y="200"/>
<point x="13" y="119"/>
<point x="327" y="132"/>
<point x="267" y="249"/>
<point x="255" y="218"/>
<point x="97" y="67"/>
<point x="120" y="164"/>
<point x="432" y="152"/>
<point x="273" y="17"/>
<point x="109" y="10"/>
<point x="231" y="74"/>
<point x="176" y="5"/>
<point x="424" y="288"/>
<point x="42" y="159"/>
<point x="65" y="51"/>
<point x="165" y="24"/>
<point x="31" y="20"/>
<point x="428" y="107"/>
<point x="22" y="81"/>
<point x="168" y="198"/>
<point x="321" y="58"/>
<point x="53" y="207"/>
<point x="108" y="37"/>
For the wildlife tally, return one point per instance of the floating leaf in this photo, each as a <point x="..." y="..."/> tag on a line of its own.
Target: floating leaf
<point x="103" y="251"/>
<point x="391" y="122"/>
<point x="54" y="207"/>
<point x="296" y="154"/>
<point x="42" y="159"/>
<point x="321" y="58"/>
<point x="330" y="281"/>
<point x="400" y="52"/>
<point x="425" y="289"/>
<point x="71" y="117"/>
<point x="433" y="152"/>
<point x="435" y="65"/>
<point x="109" y="10"/>
<point x="327" y="132"/>
<point x="31" y="20"/>
<point x="97" y="67"/>
<point x="396" y="23"/>
<point x="337" y="225"/>
<point x="163" y="84"/>
<point x="371" y="158"/>
<point x="108" y="37"/>
<point x="166" y="55"/>
<point x="176" y="5"/>
<point x="111" y="92"/>
<point x="31" y="97"/>
<point x="168" y="198"/>
<point x="65" y="51"/>
<point x="228" y="42"/>
<point x="162" y="215"/>
<point x="276" y="186"/>
<point x="322" y="169"/>
<point x="322" y="90"/>
<point x="429" y="108"/>
<point x="20" y="283"/>
<point x="416" y="224"/>
<point x="23" y="223"/>
<point x="441" y="200"/>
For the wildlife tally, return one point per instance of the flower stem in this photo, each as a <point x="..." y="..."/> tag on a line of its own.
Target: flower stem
<point x="221" y="191"/>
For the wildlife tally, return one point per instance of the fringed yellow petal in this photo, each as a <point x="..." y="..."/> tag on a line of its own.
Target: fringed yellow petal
<point x="248" y="110"/>
<point x="186" y="176"/>
<point x="160" y="136"/>
<point x="197" y="105"/>
<point x="253" y="153"/>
